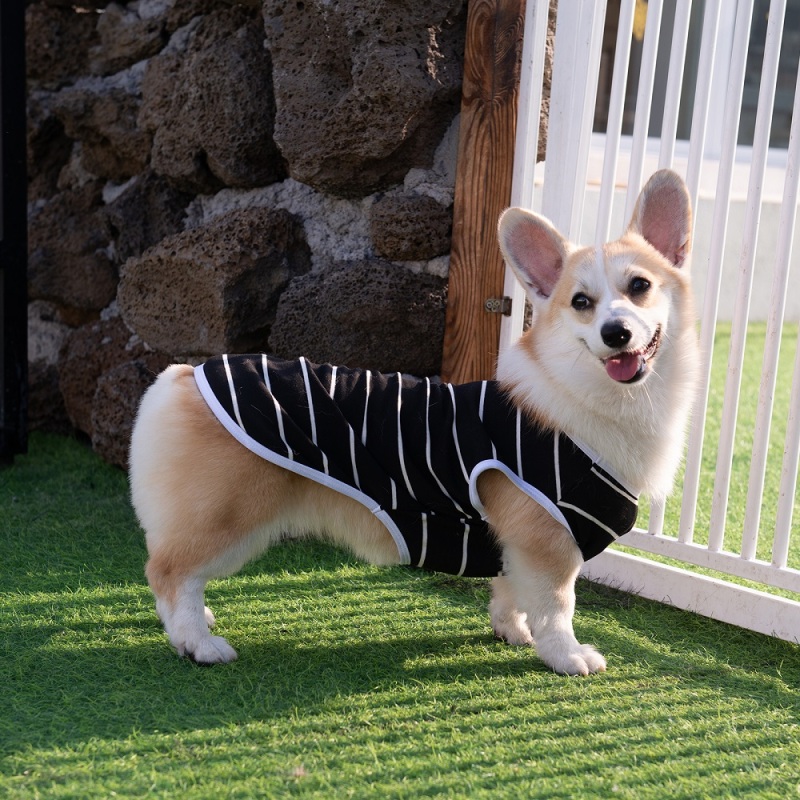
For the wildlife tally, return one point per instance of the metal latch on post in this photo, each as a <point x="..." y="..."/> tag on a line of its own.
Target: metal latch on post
<point x="498" y="305"/>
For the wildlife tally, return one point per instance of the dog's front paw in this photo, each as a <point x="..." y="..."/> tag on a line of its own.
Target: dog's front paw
<point x="209" y="650"/>
<point x="512" y="628"/>
<point x="573" y="659"/>
<point x="586" y="661"/>
<point x="508" y="622"/>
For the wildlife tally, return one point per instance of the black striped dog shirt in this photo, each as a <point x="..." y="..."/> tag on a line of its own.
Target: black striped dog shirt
<point x="411" y="451"/>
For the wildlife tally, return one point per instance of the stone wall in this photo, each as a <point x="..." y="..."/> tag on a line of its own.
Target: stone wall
<point x="217" y="176"/>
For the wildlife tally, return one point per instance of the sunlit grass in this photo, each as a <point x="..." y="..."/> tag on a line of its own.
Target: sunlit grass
<point x="355" y="681"/>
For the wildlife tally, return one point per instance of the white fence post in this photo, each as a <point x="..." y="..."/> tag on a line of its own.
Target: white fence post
<point x="575" y="70"/>
<point x="719" y="230"/>
<point x="526" y="147"/>
<point x="579" y="30"/>
<point x="769" y="371"/>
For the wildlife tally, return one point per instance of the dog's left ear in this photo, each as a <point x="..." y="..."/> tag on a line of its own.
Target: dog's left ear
<point x="663" y="216"/>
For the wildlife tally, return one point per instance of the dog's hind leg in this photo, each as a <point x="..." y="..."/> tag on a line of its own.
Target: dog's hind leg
<point x="207" y="505"/>
<point x="178" y="585"/>
<point x="187" y="621"/>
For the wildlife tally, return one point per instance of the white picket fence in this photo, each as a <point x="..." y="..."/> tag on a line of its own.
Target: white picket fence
<point x="585" y="173"/>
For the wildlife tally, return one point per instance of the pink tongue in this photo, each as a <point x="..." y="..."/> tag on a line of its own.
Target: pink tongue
<point x="622" y="367"/>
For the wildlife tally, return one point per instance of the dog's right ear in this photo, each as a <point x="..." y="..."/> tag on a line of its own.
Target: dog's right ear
<point x="533" y="248"/>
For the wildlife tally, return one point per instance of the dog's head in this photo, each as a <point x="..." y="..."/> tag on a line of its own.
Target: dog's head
<point x="611" y="309"/>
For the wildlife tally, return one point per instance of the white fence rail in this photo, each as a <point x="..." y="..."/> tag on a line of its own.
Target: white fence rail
<point x="723" y="34"/>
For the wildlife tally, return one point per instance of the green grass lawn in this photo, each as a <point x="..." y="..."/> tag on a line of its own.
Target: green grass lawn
<point x="743" y="443"/>
<point x="352" y="681"/>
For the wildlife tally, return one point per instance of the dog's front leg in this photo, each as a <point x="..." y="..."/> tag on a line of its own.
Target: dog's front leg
<point x="533" y="603"/>
<point x="508" y="622"/>
<point x="545" y="595"/>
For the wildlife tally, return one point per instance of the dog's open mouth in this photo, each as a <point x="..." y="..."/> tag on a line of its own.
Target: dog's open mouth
<point x="631" y="366"/>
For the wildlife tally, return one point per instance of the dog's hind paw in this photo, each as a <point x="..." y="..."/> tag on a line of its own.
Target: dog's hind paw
<point x="210" y="650"/>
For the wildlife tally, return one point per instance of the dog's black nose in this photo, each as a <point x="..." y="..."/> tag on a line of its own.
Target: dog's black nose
<point x="615" y="333"/>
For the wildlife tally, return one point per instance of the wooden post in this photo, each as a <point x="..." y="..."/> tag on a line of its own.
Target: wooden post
<point x="483" y="185"/>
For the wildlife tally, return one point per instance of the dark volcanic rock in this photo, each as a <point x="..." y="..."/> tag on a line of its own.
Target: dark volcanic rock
<point x="365" y="314"/>
<point x="214" y="289"/>
<point x="364" y="90"/>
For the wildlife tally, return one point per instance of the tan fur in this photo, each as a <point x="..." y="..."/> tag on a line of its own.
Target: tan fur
<point x="208" y="504"/>
<point x="233" y="499"/>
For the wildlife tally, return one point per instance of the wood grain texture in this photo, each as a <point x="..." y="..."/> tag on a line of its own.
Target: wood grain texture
<point x="483" y="185"/>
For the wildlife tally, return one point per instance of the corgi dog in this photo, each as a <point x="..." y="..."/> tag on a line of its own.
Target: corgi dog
<point x="521" y="478"/>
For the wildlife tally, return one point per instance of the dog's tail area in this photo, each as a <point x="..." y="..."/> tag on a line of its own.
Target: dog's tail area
<point x="151" y="441"/>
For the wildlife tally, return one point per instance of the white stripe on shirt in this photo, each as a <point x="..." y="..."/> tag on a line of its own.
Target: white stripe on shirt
<point x="424" y="550"/>
<point x="455" y="434"/>
<point x="464" y="550"/>
<point x="400" y="436"/>
<point x="278" y="412"/>
<point x="620" y="490"/>
<point x="557" y="465"/>
<point x="596" y="521"/>
<point x="311" y="416"/>
<point x="331" y="393"/>
<point x="353" y="458"/>
<point x="428" y="448"/>
<point x="333" y="383"/>
<point x="234" y="401"/>
<point x="368" y="377"/>
<point x="480" y="414"/>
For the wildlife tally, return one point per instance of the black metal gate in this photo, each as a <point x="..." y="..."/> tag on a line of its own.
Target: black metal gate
<point x="13" y="234"/>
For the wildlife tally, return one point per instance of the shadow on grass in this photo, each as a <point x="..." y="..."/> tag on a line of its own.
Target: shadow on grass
<point x="95" y="663"/>
<point x="83" y="657"/>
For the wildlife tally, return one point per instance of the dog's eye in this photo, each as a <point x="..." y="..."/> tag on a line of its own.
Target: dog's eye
<point x="639" y="286"/>
<point x="580" y="302"/>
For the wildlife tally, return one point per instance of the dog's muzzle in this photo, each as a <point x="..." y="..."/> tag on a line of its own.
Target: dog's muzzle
<point x="631" y="366"/>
